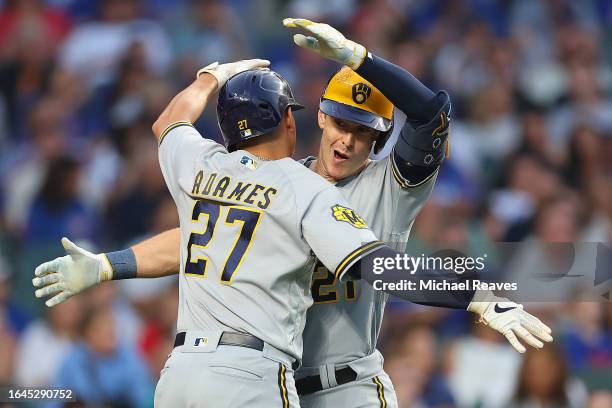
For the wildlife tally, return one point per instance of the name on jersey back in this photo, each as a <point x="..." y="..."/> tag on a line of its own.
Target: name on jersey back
<point x="216" y="185"/>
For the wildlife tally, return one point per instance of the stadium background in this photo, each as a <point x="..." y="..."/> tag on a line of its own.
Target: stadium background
<point x="531" y="157"/>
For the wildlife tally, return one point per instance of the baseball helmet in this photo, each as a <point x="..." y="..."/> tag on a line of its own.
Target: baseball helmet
<point x="351" y="97"/>
<point x="251" y="104"/>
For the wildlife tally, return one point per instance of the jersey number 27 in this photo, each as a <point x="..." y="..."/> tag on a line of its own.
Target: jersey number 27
<point x="326" y="288"/>
<point x="246" y="218"/>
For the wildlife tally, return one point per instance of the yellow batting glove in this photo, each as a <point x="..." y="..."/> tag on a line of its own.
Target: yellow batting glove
<point x="326" y="41"/>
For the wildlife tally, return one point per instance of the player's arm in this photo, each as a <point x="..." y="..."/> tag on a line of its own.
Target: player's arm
<point x="388" y="277"/>
<point x="341" y="240"/>
<point x="500" y="314"/>
<point x="188" y="105"/>
<point x="66" y="276"/>
<point x="421" y="145"/>
<point x="156" y="256"/>
<point x="406" y="92"/>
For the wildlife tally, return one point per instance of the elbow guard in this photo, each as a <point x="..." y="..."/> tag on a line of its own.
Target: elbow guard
<point x="425" y="145"/>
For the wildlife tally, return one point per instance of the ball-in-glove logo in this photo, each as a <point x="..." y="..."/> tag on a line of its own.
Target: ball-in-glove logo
<point x="342" y="213"/>
<point x="361" y="92"/>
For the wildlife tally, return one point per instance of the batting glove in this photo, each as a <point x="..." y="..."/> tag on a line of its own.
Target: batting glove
<point x="511" y="320"/>
<point x="66" y="276"/>
<point x="326" y="41"/>
<point x="223" y="72"/>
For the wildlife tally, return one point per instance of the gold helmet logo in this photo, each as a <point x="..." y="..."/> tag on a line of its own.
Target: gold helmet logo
<point x="347" y="87"/>
<point x="361" y="92"/>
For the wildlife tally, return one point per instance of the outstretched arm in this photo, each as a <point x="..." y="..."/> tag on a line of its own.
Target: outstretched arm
<point x="68" y="275"/>
<point x="500" y="314"/>
<point x="159" y="255"/>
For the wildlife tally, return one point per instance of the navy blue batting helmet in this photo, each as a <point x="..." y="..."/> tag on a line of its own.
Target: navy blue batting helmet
<point x="251" y="104"/>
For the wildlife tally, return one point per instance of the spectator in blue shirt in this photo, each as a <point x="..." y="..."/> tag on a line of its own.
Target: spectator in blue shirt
<point x="102" y="371"/>
<point x="58" y="211"/>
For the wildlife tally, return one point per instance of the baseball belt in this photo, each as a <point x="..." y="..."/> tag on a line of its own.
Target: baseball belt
<point x="229" y="339"/>
<point x="308" y="385"/>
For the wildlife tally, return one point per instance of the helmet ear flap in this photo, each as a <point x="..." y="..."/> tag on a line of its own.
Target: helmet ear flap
<point x="381" y="140"/>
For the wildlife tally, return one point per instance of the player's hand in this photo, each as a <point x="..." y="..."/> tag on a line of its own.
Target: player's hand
<point x="326" y="41"/>
<point x="511" y="320"/>
<point x="66" y="276"/>
<point x="223" y="72"/>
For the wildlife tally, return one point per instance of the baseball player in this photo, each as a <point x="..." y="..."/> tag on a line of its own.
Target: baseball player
<point x="242" y="311"/>
<point x="353" y="116"/>
<point x="243" y="296"/>
<point x="389" y="194"/>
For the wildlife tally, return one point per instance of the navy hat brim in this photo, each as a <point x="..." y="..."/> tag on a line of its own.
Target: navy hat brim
<point x="352" y="114"/>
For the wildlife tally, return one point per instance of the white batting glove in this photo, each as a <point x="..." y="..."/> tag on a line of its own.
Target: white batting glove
<point x="66" y="276"/>
<point x="511" y="320"/>
<point x="326" y="41"/>
<point x="223" y="72"/>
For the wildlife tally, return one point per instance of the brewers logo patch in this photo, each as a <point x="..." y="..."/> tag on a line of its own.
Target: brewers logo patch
<point x="342" y="213"/>
<point x="361" y="92"/>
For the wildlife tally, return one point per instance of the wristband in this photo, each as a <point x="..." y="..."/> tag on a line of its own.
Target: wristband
<point x="123" y="264"/>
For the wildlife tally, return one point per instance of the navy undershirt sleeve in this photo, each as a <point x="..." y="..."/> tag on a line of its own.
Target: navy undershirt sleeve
<point x="407" y="93"/>
<point x="454" y="299"/>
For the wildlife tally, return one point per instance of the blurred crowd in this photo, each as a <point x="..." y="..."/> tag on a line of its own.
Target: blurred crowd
<point x="530" y="161"/>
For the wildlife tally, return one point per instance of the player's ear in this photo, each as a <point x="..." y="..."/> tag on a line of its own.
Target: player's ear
<point x="290" y="121"/>
<point x="321" y="119"/>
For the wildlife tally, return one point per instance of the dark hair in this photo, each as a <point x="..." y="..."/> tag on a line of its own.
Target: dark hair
<point x="573" y="169"/>
<point x="90" y="314"/>
<point x="55" y="191"/>
<point x="558" y="393"/>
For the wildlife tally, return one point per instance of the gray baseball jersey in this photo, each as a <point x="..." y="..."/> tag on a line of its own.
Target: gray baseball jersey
<point x="247" y="229"/>
<point x="353" y="310"/>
